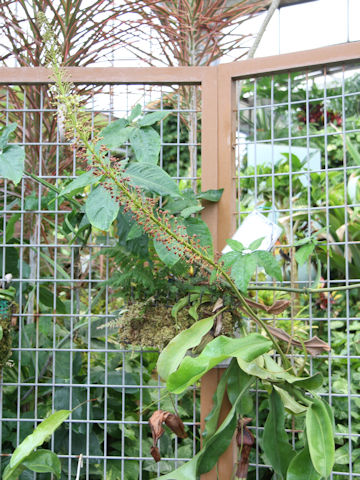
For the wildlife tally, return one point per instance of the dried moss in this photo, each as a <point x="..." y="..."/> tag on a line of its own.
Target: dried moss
<point x="151" y="325"/>
<point x="6" y="340"/>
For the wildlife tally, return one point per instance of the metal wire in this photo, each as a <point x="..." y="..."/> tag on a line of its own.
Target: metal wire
<point x="56" y="357"/>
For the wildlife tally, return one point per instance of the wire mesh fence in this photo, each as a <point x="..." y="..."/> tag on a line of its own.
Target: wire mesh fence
<point x="297" y="162"/>
<point x="61" y="359"/>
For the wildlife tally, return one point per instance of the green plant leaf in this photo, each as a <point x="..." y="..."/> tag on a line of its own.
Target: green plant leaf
<point x="46" y="297"/>
<point x="135" y="112"/>
<point x="12" y="163"/>
<point x="5" y="132"/>
<point x="185" y="472"/>
<point x="243" y="269"/>
<point x="101" y="209"/>
<point x="256" y="243"/>
<point x="211" y="195"/>
<point x="115" y="134"/>
<point x="301" y="467"/>
<point x="170" y="358"/>
<point x="179" y="305"/>
<point x="190" y="210"/>
<point x="169" y="257"/>
<point x="269" y="263"/>
<point x="152" y="118"/>
<point x="152" y="178"/>
<point x="136" y="231"/>
<point x="216" y="445"/>
<point x="87" y="178"/>
<point x="10" y="226"/>
<point x="146" y="144"/>
<point x="41" y="433"/>
<point x="218" y="350"/>
<point x="277" y="450"/>
<point x="289" y="402"/>
<point x="229" y="258"/>
<point x="43" y="461"/>
<point x="304" y="253"/>
<point x="320" y="437"/>
<point x="196" y="226"/>
<point x="235" y="245"/>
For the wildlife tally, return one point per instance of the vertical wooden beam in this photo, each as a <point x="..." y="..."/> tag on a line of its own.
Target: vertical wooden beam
<point x="217" y="122"/>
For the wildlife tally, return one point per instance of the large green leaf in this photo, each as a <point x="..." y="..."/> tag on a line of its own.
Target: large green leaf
<point x="43" y="461"/>
<point x="152" y="178"/>
<point x="41" y="433"/>
<point x="289" y="402"/>
<point x="115" y="134"/>
<point x="12" y="163"/>
<point x="270" y="264"/>
<point x="218" y="350"/>
<point x="185" y="472"/>
<point x="169" y="257"/>
<point x="101" y="209"/>
<point x="242" y="270"/>
<point x="87" y="178"/>
<point x="220" y="440"/>
<point x="301" y="467"/>
<point x="152" y="118"/>
<point x="146" y="144"/>
<point x="196" y="226"/>
<point x="277" y="450"/>
<point x="5" y="132"/>
<point x="211" y="195"/>
<point x="320" y="437"/>
<point x="176" y="349"/>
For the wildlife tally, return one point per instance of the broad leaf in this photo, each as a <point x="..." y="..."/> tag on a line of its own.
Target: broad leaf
<point x="256" y="243"/>
<point x="146" y="144"/>
<point x="289" y="402"/>
<point x="5" y="132"/>
<point x="320" y="436"/>
<point x="301" y="467"/>
<point x="169" y="257"/>
<point x="115" y="134"/>
<point x="135" y="112"/>
<point x="41" y="433"/>
<point x="235" y="245"/>
<point x="229" y="258"/>
<point x="277" y="450"/>
<point x="304" y="253"/>
<point x="269" y="263"/>
<point x="152" y="178"/>
<point x="179" y="305"/>
<point x="43" y="461"/>
<point x="185" y="472"/>
<point x="196" y="226"/>
<point x="12" y="163"/>
<point x="243" y="269"/>
<point x="211" y="195"/>
<point x="191" y="210"/>
<point x="136" y="231"/>
<point x="176" y="349"/>
<point x="82" y="181"/>
<point x="101" y="209"/>
<point x="152" y="118"/>
<point x="218" y="350"/>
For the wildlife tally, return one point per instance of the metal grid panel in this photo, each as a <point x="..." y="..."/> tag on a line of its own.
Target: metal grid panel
<point x="60" y="359"/>
<point x="297" y="162"/>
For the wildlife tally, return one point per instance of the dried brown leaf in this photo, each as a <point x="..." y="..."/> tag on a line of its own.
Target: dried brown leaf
<point x="218" y="304"/>
<point x="314" y="345"/>
<point x="155" y="453"/>
<point x="156" y="421"/>
<point x="175" y="424"/>
<point x="277" y="307"/>
<point x="245" y="440"/>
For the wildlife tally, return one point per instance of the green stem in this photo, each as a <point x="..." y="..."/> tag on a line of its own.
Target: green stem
<point x="307" y="291"/>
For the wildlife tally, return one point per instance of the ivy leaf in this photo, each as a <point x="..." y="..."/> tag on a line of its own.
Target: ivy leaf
<point x="152" y="118"/>
<point x="277" y="450"/>
<point x="269" y="263"/>
<point x="43" y="461"/>
<point x="146" y="144"/>
<point x="12" y="161"/>
<point x="152" y="178"/>
<point x="304" y="253"/>
<point x="101" y="209"/>
<point x="243" y="269"/>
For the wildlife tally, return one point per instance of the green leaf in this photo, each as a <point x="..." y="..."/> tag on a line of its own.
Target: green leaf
<point x="179" y="305"/>
<point x="304" y="253"/>
<point x="135" y="112"/>
<point x="43" y="461"/>
<point x="170" y="358"/>
<point x="256" y="243"/>
<point x="185" y="472"/>
<point x="115" y="134"/>
<point x="1" y="332"/>
<point x="87" y="178"/>
<point x="190" y="210"/>
<point x="136" y="231"/>
<point x="5" y="132"/>
<point x="211" y="195"/>
<point x="12" y="163"/>
<point x="221" y="439"/>
<point x="277" y="450"/>
<point x="218" y="350"/>
<point x="169" y="257"/>
<point x="152" y="118"/>
<point x="289" y="402"/>
<point x="146" y="144"/>
<point x="301" y="467"/>
<point x="229" y="258"/>
<point x="41" y="433"/>
<point x="269" y="263"/>
<point x="235" y="245"/>
<point x="10" y="226"/>
<point x="243" y="269"/>
<point x="196" y="226"/>
<point x="46" y="297"/>
<point x="101" y="209"/>
<point x="320" y="436"/>
<point x="152" y="178"/>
